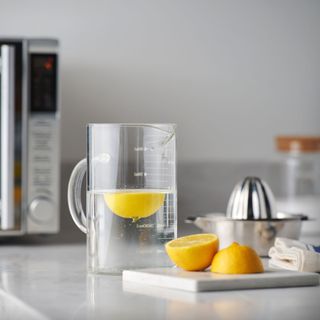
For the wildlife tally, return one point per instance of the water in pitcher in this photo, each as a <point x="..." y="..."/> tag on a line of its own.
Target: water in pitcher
<point x="128" y="228"/>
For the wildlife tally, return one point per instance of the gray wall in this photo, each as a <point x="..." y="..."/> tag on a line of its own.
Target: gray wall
<point x="232" y="74"/>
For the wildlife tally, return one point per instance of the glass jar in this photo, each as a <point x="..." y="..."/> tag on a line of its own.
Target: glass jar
<point x="300" y="191"/>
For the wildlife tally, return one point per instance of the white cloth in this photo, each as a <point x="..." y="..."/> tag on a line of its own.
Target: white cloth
<point x="294" y="255"/>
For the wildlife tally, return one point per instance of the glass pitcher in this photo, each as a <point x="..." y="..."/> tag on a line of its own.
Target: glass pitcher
<point x="131" y="195"/>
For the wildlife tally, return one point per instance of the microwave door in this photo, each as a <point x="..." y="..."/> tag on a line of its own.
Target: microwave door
<point x="7" y="210"/>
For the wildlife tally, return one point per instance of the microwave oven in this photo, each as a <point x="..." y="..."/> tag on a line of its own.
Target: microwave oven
<point x="29" y="134"/>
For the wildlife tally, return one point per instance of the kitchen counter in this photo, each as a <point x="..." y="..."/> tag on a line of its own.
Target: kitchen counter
<point x="50" y="282"/>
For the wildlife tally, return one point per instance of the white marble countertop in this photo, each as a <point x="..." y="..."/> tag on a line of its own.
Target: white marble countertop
<point x="50" y="282"/>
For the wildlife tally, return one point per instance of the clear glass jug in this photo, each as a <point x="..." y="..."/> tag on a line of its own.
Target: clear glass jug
<point x="131" y="195"/>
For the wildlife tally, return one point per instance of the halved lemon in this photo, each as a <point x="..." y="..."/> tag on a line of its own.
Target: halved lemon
<point x="194" y="252"/>
<point x="134" y="205"/>
<point x="237" y="259"/>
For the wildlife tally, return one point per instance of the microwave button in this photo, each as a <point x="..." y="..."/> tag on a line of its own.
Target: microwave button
<point x="41" y="209"/>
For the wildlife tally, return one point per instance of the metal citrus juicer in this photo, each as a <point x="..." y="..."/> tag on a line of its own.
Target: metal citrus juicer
<point x="251" y="218"/>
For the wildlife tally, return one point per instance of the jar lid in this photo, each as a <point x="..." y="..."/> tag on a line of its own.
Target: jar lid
<point x="298" y="143"/>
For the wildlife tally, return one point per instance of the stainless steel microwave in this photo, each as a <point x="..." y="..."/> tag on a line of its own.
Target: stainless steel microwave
<point x="29" y="134"/>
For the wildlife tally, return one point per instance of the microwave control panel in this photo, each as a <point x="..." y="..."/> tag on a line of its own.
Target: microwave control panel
<point x="43" y="177"/>
<point x="43" y="205"/>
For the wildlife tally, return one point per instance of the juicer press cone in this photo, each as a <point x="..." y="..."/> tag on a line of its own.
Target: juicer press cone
<point x="251" y="218"/>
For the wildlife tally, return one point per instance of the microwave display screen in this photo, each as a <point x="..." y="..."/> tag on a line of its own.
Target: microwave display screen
<point x="43" y="84"/>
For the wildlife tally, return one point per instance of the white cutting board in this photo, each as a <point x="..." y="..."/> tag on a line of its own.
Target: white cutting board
<point x="176" y="278"/>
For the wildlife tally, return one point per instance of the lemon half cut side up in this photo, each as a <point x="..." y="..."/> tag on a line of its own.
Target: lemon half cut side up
<point x="193" y="252"/>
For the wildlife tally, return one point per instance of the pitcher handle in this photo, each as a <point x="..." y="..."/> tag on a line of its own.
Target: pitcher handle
<point x="74" y="195"/>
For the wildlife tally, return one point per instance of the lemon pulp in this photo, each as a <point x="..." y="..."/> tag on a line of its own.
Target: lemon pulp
<point x="134" y="204"/>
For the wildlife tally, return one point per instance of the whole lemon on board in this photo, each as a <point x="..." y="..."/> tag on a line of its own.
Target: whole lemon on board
<point x="193" y="252"/>
<point x="236" y="259"/>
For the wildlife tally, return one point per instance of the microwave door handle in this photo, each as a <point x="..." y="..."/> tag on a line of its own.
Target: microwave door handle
<point x="7" y="138"/>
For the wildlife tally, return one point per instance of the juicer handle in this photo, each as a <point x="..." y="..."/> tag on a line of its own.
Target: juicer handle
<point x="74" y="195"/>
